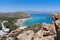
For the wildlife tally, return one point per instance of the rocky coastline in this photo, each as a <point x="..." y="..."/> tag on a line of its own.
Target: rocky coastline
<point x="42" y="31"/>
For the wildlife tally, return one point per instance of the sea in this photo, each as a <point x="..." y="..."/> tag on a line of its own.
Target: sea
<point x="38" y="18"/>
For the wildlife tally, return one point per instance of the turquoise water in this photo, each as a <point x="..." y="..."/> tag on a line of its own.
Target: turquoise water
<point x="38" y="18"/>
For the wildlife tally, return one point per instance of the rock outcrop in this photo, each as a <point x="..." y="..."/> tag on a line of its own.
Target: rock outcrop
<point x="49" y="29"/>
<point x="26" y="35"/>
<point x="38" y="35"/>
<point x="56" y="18"/>
<point x="57" y="22"/>
<point x="47" y="32"/>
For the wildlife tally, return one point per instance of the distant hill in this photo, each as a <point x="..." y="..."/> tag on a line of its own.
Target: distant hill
<point x="14" y="15"/>
<point x="24" y="14"/>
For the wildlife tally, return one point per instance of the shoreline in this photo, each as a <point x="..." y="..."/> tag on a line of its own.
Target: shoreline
<point x="20" y="23"/>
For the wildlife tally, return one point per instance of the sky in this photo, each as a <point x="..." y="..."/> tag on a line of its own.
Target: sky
<point x="29" y="5"/>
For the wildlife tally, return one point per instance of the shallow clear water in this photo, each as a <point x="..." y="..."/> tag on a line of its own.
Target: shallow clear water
<point x="38" y="18"/>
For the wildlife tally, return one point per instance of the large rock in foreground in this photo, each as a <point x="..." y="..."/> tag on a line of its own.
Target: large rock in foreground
<point x="27" y="35"/>
<point x="44" y="32"/>
<point x="49" y="29"/>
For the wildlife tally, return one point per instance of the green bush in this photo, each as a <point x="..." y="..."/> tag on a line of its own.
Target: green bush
<point x="10" y="24"/>
<point x="4" y="38"/>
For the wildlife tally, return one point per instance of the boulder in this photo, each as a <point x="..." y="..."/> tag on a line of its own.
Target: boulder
<point x="13" y="33"/>
<point x="55" y="16"/>
<point x="49" y="29"/>
<point x="38" y="35"/>
<point x="26" y="35"/>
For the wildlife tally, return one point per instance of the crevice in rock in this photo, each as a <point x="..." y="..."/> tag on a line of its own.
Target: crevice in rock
<point x="56" y="27"/>
<point x="32" y="38"/>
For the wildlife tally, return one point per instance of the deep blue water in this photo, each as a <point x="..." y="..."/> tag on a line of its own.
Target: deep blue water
<point x="38" y="18"/>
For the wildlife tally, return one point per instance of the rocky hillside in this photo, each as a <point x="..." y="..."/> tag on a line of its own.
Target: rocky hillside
<point x="42" y="31"/>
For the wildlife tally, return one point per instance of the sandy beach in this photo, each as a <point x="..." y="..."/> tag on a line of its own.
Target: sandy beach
<point x="20" y="23"/>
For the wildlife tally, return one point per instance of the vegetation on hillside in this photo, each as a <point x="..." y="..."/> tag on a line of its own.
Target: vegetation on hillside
<point x="34" y="27"/>
<point x="14" y="15"/>
<point x="10" y="24"/>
